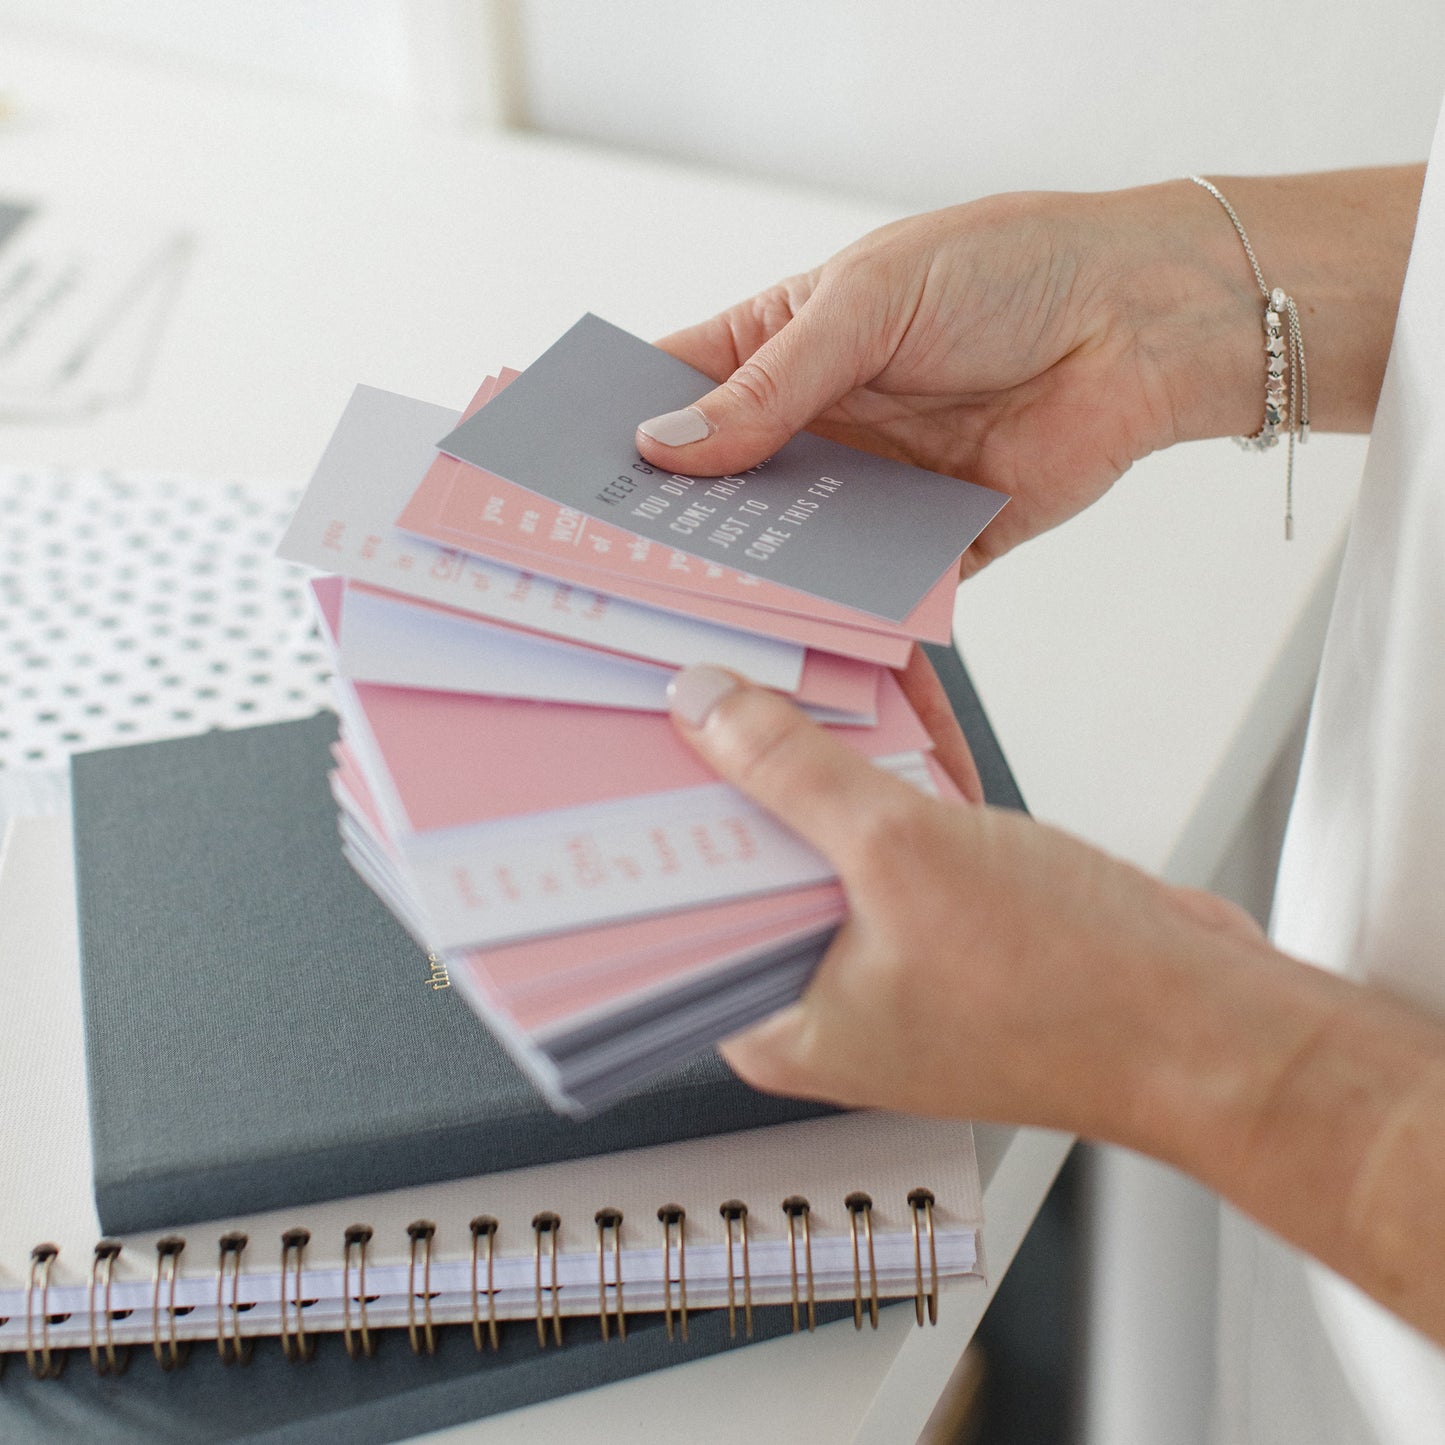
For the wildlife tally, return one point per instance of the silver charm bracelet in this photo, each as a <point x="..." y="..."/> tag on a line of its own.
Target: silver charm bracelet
<point x="1286" y="401"/>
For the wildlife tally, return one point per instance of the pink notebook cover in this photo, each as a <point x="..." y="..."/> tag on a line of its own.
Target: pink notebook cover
<point x="844" y="683"/>
<point x="463" y="506"/>
<point x="455" y="760"/>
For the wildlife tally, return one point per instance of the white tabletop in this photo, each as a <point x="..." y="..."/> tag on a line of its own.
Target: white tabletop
<point x="1142" y="666"/>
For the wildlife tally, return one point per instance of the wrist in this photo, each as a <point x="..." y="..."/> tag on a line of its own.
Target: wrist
<point x="1338" y="242"/>
<point x="1189" y="304"/>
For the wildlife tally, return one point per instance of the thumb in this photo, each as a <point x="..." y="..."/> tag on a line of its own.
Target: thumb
<point x="791" y="379"/>
<point x="765" y="747"/>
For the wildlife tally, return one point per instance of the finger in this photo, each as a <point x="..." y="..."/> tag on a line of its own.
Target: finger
<point x="773" y="393"/>
<point x="1221" y="915"/>
<point x="711" y="347"/>
<point x="764" y="746"/>
<point x="765" y="1055"/>
<point x="719" y="346"/>
<point x="785" y="1054"/>
<point x="926" y="696"/>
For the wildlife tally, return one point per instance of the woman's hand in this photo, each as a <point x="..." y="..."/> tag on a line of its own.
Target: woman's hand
<point x="991" y="967"/>
<point x="1040" y="344"/>
<point x="1031" y="343"/>
<point x="995" y="968"/>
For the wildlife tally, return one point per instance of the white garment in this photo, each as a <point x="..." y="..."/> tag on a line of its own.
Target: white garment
<point x="1306" y="1359"/>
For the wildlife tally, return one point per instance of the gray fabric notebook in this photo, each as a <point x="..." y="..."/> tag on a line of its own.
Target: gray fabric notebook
<point x="393" y="1396"/>
<point x="261" y="1033"/>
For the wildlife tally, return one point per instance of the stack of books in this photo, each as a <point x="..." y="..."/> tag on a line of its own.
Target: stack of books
<point x="242" y="1105"/>
<point x="507" y="598"/>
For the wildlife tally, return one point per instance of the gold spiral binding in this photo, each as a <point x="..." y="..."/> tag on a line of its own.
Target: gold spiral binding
<point x="420" y="1231"/>
<point x="356" y="1237"/>
<point x="860" y="1205"/>
<point x="797" y="1208"/>
<point x="294" y="1344"/>
<point x="42" y="1259"/>
<point x="232" y="1349"/>
<point x="484" y="1226"/>
<point x="168" y="1267"/>
<point x="920" y="1202"/>
<point x="609" y="1219"/>
<point x="549" y="1224"/>
<point x="106" y="1252"/>
<point x="735" y="1211"/>
<point x="674" y="1216"/>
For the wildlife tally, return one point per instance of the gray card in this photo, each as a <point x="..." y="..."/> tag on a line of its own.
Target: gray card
<point x="818" y="516"/>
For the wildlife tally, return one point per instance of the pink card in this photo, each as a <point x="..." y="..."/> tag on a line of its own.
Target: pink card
<point x="629" y="977"/>
<point x="546" y="964"/>
<point x="455" y="760"/>
<point x="463" y="505"/>
<point x="466" y="502"/>
<point x="863" y="643"/>
<point x="520" y="529"/>
<point x="545" y="980"/>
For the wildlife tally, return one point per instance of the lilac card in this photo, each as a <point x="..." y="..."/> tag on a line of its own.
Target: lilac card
<point x="819" y="516"/>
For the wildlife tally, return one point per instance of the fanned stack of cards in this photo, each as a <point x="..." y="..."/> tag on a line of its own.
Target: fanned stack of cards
<point x="510" y="594"/>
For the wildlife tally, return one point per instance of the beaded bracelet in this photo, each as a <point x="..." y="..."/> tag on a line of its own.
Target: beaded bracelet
<point x="1286" y="401"/>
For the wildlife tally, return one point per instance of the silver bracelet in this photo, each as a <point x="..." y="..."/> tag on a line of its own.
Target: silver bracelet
<point x="1286" y="380"/>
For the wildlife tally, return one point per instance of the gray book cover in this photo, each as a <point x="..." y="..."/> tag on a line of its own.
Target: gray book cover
<point x="395" y="1395"/>
<point x="824" y="518"/>
<point x="261" y="1033"/>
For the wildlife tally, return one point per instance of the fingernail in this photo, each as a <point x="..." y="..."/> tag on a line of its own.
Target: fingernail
<point x="695" y="691"/>
<point x="678" y="428"/>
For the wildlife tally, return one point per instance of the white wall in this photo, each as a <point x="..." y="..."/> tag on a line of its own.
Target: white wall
<point x="928" y="102"/>
<point x="348" y="47"/>
<point x="918" y="101"/>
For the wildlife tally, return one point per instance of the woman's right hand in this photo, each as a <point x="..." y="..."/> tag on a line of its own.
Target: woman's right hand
<point x="1038" y="344"/>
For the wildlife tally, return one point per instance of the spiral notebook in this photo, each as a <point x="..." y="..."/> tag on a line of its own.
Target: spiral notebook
<point x="553" y="1277"/>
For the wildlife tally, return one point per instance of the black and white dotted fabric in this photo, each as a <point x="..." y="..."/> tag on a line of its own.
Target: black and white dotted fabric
<point x="136" y="607"/>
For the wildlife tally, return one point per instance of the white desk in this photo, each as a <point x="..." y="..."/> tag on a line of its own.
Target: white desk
<point x="1142" y="666"/>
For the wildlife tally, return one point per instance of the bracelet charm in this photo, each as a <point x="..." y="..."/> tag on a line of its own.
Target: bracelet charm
<point x="1286" y="379"/>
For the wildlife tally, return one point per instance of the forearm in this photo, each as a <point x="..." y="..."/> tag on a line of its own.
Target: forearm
<point x="1314" y="1104"/>
<point x="1337" y="241"/>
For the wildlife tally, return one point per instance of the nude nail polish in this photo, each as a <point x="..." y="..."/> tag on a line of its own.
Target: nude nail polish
<point x="677" y="428"/>
<point x="695" y="691"/>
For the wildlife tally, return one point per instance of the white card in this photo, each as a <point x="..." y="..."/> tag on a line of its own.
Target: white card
<point x="402" y="645"/>
<point x="580" y="867"/>
<point x="398" y="642"/>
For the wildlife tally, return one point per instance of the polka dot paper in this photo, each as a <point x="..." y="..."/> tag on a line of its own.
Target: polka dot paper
<point x="136" y="607"/>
